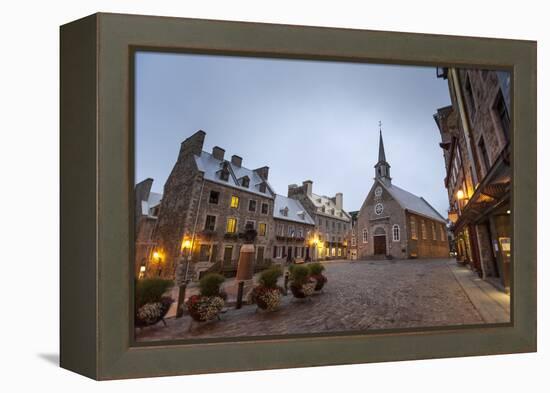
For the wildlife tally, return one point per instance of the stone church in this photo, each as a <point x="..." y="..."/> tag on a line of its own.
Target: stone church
<point x="393" y="223"/>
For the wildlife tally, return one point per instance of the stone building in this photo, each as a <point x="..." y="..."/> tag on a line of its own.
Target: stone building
<point x="332" y="222"/>
<point x="207" y="203"/>
<point x="294" y="229"/>
<point x="475" y="138"/>
<point x="147" y="206"/>
<point x="394" y="223"/>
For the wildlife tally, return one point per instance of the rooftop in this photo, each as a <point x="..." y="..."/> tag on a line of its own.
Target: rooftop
<point x="291" y="210"/>
<point x="239" y="177"/>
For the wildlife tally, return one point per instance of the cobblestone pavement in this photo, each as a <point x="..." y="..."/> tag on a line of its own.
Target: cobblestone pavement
<point x="359" y="295"/>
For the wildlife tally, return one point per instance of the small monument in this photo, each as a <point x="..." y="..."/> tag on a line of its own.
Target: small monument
<point x="245" y="267"/>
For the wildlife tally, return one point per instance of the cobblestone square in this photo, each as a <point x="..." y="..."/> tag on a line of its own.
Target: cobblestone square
<point x="360" y="295"/>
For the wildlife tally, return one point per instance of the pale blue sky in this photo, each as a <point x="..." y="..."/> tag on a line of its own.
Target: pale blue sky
<point x="304" y="119"/>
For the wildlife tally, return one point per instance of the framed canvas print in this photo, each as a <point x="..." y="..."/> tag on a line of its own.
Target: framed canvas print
<point x="241" y="196"/>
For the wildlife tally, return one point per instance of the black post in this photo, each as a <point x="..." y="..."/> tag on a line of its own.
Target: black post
<point x="181" y="300"/>
<point x="240" y="295"/>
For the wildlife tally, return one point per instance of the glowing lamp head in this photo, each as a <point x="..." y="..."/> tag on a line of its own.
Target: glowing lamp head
<point x="156" y="255"/>
<point x="142" y="269"/>
<point x="186" y="244"/>
<point x="460" y="194"/>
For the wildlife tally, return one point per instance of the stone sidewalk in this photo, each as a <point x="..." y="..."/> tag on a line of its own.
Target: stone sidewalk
<point x="359" y="295"/>
<point x="492" y="304"/>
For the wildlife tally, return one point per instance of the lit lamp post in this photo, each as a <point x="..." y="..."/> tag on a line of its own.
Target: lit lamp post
<point x="460" y="197"/>
<point x="142" y="271"/>
<point x="181" y="276"/>
<point x="158" y="259"/>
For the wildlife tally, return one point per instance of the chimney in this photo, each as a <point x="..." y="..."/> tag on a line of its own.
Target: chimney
<point x="192" y="145"/>
<point x="263" y="172"/>
<point x="308" y="187"/>
<point x="236" y="160"/>
<point x="292" y="188"/>
<point x="218" y="153"/>
<point x="339" y="200"/>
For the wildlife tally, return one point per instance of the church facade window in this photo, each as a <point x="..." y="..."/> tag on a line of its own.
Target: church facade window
<point x="414" y="235"/>
<point x="396" y="234"/>
<point x="365" y="236"/>
<point x="423" y="229"/>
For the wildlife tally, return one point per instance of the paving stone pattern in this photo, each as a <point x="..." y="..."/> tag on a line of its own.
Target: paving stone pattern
<point x="359" y="295"/>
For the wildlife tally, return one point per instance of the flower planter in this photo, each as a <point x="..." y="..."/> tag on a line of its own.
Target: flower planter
<point x="304" y="290"/>
<point x="151" y="313"/>
<point x="268" y="299"/>
<point x="320" y="281"/>
<point x="204" y="308"/>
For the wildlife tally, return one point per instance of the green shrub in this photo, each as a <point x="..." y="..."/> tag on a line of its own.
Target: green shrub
<point x="299" y="274"/>
<point x="210" y="284"/>
<point x="150" y="290"/>
<point x="269" y="277"/>
<point x="315" y="268"/>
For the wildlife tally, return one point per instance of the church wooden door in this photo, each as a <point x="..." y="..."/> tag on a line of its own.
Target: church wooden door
<point x="379" y="244"/>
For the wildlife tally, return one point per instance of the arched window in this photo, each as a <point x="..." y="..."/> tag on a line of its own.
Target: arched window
<point x="423" y="229"/>
<point x="413" y="229"/>
<point x="365" y="236"/>
<point x="395" y="232"/>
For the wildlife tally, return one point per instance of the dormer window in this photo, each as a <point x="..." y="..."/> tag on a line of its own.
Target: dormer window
<point x="245" y="181"/>
<point x="263" y="187"/>
<point x="332" y="211"/>
<point x="224" y="171"/>
<point x="224" y="175"/>
<point x="284" y="212"/>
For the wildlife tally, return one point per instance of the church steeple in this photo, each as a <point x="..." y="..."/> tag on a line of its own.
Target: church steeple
<point x="382" y="168"/>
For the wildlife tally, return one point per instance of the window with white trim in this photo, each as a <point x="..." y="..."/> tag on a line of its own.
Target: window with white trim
<point x="365" y="236"/>
<point x="395" y="232"/>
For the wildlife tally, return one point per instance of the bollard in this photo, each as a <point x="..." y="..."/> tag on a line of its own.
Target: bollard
<point x="240" y="295"/>
<point x="181" y="300"/>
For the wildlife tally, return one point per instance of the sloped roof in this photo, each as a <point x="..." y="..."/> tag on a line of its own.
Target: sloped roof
<point x="412" y="202"/>
<point x="153" y="201"/>
<point x="320" y="201"/>
<point x="296" y="211"/>
<point x="211" y="166"/>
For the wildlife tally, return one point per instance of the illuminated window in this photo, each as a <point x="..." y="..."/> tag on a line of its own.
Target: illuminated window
<point x="395" y="231"/>
<point x="231" y="226"/>
<point x="434" y="236"/>
<point x="413" y="229"/>
<point x="339" y="252"/>
<point x="262" y="229"/>
<point x="235" y="202"/>
<point x="423" y="229"/>
<point x="333" y="252"/>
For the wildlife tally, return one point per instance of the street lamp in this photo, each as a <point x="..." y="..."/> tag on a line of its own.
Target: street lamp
<point x="157" y="257"/>
<point x="181" y="276"/>
<point x="142" y="271"/>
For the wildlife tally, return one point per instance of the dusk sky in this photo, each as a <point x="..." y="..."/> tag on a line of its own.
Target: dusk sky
<point x="314" y="120"/>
